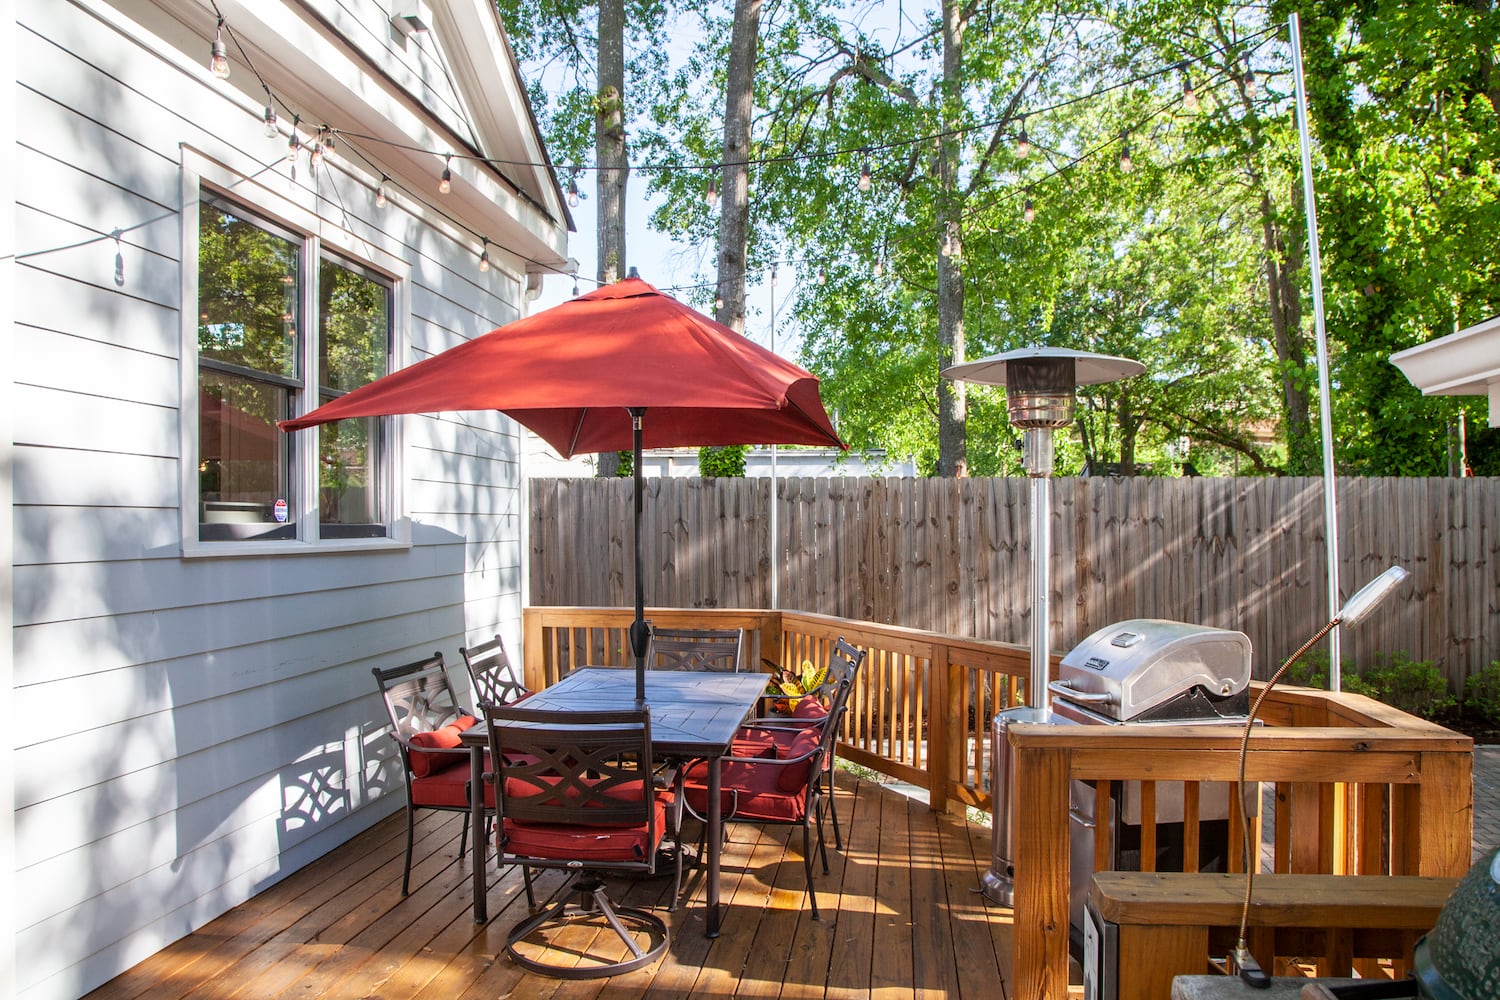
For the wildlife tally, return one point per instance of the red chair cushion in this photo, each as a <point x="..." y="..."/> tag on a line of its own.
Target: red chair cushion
<point x="446" y="738"/>
<point x="564" y="842"/>
<point x="446" y="787"/>
<point x="752" y="790"/>
<point x="793" y="777"/>
<point x="526" y="787"/>
<point x="810" y="708"/>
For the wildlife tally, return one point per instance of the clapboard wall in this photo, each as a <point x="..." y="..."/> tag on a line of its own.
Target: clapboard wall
<point x="186" y="732"/>
<point x="954" y="555"/>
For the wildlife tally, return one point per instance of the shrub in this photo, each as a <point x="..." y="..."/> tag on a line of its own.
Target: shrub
<point x="1482" y="695"/>
<point x="1414" y="686"/>
<point x="720" y="462"/>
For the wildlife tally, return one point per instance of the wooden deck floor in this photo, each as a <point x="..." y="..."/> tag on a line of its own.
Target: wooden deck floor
<point x="900" y="919"/>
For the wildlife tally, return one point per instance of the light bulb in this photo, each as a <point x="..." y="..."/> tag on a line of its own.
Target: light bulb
<point x="484" y="257"/>
<point x="1189" y="96"/>
<point x="718" y="302"/>
<point x="879" y="268"/>
<point x="1029" y="211"/>
<point x="1126" y="164"/>
<point x="380" y="196"/>
<point x="822" y="276"/>
<point x="315" y="151"/>
<point x="328" y="143"/>
<point x="445" y="183"/>
<point x="218" y="55"/>
<point x="1023" y="143"/>
<point x="1250" y="82"/>
<point x="575" y="288"/>
<point x="572" y="197"/>
<point x="293" y="146"/>
<point x="711" y="196"/>
<point x="270" y="122"/>
<point x="864" y="176"/>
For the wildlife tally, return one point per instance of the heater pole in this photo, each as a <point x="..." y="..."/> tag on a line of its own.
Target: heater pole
<point x="1039" y="468"/>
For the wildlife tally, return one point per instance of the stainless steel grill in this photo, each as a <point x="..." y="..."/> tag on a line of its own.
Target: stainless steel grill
<point x="1145" y="670"/>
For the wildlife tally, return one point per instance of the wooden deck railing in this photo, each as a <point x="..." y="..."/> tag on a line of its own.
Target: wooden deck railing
<point x="1359" y="788"/>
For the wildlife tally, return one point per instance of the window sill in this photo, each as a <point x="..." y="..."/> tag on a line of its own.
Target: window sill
<point x="195" y="549"/>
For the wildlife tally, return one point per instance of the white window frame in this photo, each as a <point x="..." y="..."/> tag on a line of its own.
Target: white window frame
<point x="296" y="211"/>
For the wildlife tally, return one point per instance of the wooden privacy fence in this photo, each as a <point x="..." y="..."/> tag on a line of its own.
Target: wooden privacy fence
<point x="1357" y="787"/>
<point x="953" y="556"/>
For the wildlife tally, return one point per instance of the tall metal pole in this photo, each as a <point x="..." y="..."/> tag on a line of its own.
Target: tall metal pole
<point x="1325" y="401"/>
<point x="775" y="545"/>
<point x="1039" y="468"/>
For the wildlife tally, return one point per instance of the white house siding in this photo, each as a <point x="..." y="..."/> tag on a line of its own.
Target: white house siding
<point x="188" y="731"/>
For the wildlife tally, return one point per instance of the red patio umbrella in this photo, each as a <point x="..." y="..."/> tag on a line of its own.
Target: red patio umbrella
<point x="624" y="366"/>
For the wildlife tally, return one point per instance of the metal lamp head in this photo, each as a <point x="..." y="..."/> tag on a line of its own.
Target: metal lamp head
<point x="1371" y="594"/>
<point x="1039" y="381"/>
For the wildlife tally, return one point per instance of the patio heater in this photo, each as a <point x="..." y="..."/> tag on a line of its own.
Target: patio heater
<point x="1039" y="393"/>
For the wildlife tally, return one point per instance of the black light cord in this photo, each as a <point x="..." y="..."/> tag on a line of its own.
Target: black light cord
<point x="1249" y="971"/>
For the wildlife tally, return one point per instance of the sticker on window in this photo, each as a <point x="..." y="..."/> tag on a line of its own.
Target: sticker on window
<point x="278" y="511"/>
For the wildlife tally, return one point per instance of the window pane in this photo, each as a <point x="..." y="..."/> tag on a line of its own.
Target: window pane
<point x="354" y="327"/>
<point x="244" y="461"/>
<point x="247" y="293"/>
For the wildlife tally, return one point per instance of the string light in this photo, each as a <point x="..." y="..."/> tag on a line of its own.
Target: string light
<point x="1250" y="83"/>
<point x="484" y="255"/>
<point x="1029" y="212"/>
<point x="773" y="276"/>
<point x="572" y="195"/>
<point x="380" y="195"/>
<point x="270" y="119"/>
<point x="445" y="183"/>
<point x="1126" y="164"/>
<point x="294" y="144"/>
<point x="879" y="268"/>
<point x="328" y="143"/>
<point x="1023" y="144"/>
<point x="315" y="150"/>
<point x="822" y="276"/>
<point x="575" y="286"/>
<point x="711" y="196"/>
<point x="718" y="302"/>
<point x="864" y="176"/>
<point x="218" y="55"/>
<point x="1189" y="96"/>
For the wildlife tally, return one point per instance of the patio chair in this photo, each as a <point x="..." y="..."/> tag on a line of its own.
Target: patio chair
<point x="696" y="649"/>
<point x="779" y="732"/>
<point x="494" y="678"/>
<point x="784" y="787"/>
<point x="576" y="792"/>
<point x="425" y="723"/>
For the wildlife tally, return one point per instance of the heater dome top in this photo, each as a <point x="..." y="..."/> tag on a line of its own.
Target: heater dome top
<point x="1088" y="369"/>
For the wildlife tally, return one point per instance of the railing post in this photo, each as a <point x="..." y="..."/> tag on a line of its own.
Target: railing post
<point x="940" y="711"/>
<point x="1039" y="959"/>
<point x="1445" y="808"/>
<point x="533" y="650"/>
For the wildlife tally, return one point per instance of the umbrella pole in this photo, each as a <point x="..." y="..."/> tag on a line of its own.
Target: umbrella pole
<point x="640" y="632"/>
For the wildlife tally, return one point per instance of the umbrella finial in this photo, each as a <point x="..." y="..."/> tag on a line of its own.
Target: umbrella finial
<point x="633" y="272"/>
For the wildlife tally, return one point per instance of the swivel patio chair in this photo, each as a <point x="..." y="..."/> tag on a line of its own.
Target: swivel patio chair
<point x="696" y="649"/>
<point x="784" y="787"/>
<point x="575" y="791"/>
<point x="779" y="732"/>
<point x="426" y="721"/>
<point x="495" y="680"/>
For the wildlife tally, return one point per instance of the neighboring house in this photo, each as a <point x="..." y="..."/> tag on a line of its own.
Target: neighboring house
<point x="196" y="598"/>
<point x="543" y="462"/>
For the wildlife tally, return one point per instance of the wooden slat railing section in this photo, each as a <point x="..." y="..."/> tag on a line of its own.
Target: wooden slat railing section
<point x="1358" y="787"/>
<point x="891" y="726"/>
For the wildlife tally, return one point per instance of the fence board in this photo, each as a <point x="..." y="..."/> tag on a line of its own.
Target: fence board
<point x="954" y="555"/>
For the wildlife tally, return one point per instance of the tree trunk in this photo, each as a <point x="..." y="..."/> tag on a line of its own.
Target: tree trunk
<point x="952" y="405"/>
<point x="614" y="164"/>
<point x="1284" y="300"/>
<point x="734" y="210"/>
<point x="609" y="141"/>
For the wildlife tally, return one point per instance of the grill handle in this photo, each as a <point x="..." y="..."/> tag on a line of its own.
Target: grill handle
<point x="1068" y="691"/>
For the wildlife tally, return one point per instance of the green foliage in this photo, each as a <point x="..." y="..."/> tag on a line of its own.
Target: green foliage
<point x="1310" y="671"/>
<point x="722" y="462"/>
<point x="1414" y="686"/>
<point x="1482" y="695"/>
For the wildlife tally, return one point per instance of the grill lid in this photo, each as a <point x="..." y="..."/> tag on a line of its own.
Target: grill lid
<point x="1134" y="668"/>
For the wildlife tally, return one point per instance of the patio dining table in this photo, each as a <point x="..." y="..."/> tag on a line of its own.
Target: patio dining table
<point x="694" y="714"/>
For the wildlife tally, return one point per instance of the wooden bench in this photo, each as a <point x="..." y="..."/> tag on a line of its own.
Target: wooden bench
<point x="1170" y="923"/>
